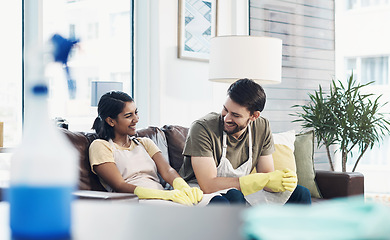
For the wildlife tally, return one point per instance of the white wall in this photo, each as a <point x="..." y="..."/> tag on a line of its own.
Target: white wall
<point x="186" y="93"/>
<point x="170" y="90"/>
<point x="361" y="32"/>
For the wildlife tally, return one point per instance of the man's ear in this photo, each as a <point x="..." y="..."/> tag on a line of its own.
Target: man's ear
<point x="110" y="121"/>
<point x="255" y="115"/>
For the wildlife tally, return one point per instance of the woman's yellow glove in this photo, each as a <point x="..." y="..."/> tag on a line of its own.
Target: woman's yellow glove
<point x="173" y="195"/>
<point x="194" y="193"/>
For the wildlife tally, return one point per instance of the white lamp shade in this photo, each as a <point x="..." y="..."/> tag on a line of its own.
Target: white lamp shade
<point x="253" y="57"/>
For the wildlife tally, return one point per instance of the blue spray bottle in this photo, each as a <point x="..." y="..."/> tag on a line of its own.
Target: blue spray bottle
<point x="44" y="170"/>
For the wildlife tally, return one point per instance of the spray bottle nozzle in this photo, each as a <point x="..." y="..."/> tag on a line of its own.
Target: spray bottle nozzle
<point x="62" y="47"/>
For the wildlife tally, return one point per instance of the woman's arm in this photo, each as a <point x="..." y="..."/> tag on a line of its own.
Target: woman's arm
<point x="111" y="175"/>
<point x="103" y="164"/>
<point x="166" y="171"/>
<point x="170" y="175"/>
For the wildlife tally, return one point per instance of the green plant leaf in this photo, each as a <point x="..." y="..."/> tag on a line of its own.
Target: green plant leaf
<point x="344" y="117"/>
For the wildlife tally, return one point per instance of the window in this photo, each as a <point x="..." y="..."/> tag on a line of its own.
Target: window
<point x="351" y="4"/>
<point x="104" y="29"/>
<point x="10" y="82"/>
<point x="11" y="72"/>
<point x="354" y="4"/>
<point x="103" y="54"/>
<point x="368" y="69"/>
<point x="375" y="69"/>
<point x="374" y="164"/>
<point x="367" y="3"/>
<point x="350" y="66"/>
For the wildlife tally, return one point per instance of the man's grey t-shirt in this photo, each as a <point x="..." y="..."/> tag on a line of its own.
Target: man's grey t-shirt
<point x="205" y="140"/>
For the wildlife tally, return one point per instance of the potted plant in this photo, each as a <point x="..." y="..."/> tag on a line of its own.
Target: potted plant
<point x="345" y="118"/>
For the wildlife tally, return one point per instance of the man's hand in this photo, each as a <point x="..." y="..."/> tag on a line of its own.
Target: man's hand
<point x="253" y="182"/>
<point x="289" y="180"/>
<point x="281" y="181"/>
<point x="276" y="181"/>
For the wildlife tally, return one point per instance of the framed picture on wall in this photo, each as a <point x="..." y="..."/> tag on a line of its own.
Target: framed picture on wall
<point x="197" y="25"/>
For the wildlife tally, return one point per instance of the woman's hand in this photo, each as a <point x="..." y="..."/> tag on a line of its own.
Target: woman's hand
<point x="173" y="195"/>
<point x="194" y="193"/>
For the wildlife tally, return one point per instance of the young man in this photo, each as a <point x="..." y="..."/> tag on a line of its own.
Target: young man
<point x="222" y="149"/>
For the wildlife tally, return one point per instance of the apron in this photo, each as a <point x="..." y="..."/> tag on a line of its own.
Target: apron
<point x="225" y="169"/>
<point x="135" y="166"/>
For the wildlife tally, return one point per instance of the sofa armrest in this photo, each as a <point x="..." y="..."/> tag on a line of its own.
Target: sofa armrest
<point x="339" y="184"/>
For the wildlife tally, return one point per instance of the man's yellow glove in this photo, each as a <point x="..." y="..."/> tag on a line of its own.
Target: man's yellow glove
<point x="277" y="181"/>
<point x="290" y="180"/>
<point x="253" y="182"/>
<point x="173" y="195"/>
<point x="194" y="193"/>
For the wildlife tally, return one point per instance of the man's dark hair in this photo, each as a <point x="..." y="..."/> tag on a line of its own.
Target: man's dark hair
<point x="247" y="93"/>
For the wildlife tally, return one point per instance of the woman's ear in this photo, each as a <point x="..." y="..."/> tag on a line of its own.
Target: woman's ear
<point x="255" y="115"/>
<point x="110" y="121"/>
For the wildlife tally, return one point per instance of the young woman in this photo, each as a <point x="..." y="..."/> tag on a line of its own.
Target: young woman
<point x="128" y="164"/>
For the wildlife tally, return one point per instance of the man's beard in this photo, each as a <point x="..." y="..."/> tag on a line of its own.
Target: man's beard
<point x="236" y="129"/>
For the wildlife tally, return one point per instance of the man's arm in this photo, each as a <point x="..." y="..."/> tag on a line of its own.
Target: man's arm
<point x="265" y="165"/>
<point x="206" y="174"/>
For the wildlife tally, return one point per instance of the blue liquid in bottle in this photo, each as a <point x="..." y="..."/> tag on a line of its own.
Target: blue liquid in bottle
<point x="39" y="212"/>
<point x="44" y="169"/>
<point x="43" y="176"/>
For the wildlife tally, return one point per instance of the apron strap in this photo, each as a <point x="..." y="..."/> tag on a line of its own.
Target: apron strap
<point x="250" y="141"/>
<point x="224" y="143"/>
<point x="134" y="139"/>
<point x="224" y="146"/>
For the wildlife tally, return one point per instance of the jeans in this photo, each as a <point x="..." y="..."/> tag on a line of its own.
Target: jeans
<point x="301" y="195"/>
<point x="233" y="196"/>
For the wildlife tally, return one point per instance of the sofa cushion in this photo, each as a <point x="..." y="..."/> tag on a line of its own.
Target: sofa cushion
<point x="158" y="137"/>
<point x="284" y="150"/>
<point x="304" y="152"/>
<point x="93" y="178"/>
<point x="81" y="141"/>
<point x="176" y="138"/>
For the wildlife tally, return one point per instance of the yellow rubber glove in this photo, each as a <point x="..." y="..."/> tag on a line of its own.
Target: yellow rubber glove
<point x="289" y="180"/>
<point x="275" y="182"/>
<point x="253" y="182"/>
<point x="281" y="181"/>
<point x="173" y="195"/>
<point x="194" y="193"/>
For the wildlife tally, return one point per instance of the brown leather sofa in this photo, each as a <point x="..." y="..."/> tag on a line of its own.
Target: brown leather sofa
<point x="171" y="138"/>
